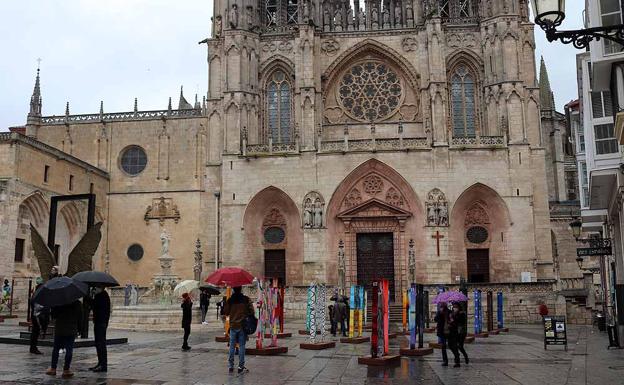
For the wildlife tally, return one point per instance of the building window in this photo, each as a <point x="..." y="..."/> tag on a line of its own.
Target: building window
<point x="602" y="106"/>
<point x="274" y="235"/>
<point x="605" y="139"/>
<point x="610" y="14"/>
<point x="458" y="11"/>
<point x="292" y="11"/>
<point x="46" y="174"/>
<point x="71" y="183"/>
<point x="135" y="252"/>
<point x="278" y="107"/>
<point x="19" y="250"/>
<point x="570" y="179"/>
<point x="463" y="104"/>
<point x="584" y="184"/>
<point x="271" y="14"/>
<point x="133" y="160"/>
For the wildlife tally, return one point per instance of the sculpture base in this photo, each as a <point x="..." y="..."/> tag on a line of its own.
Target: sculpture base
<point x="435" y="345"/>
<point x="222" y="339"/>
<point x="430" y="330"/>
<point x="494" y="332"/>
<point x="469" y="340"/>
<point x="503" y="330"/>
<point x="279" y="335"/>
<point x="304" y="332"/>
<point x="268" y="351"/>
<point x="482" y="335"/>
<point x="416" y="352"/>
<point x="354" y="340"/>
<point x="390" y="359"/>
<point x="317" y="345"/>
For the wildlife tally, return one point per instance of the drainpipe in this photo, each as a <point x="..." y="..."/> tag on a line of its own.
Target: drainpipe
<point x="217" y="195"/>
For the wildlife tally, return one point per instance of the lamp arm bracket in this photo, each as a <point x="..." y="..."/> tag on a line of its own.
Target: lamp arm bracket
<point x="580" y="38"/>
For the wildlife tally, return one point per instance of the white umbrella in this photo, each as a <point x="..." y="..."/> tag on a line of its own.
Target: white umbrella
<point x="186" y="286"/>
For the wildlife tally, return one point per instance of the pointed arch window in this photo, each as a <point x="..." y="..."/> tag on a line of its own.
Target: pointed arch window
<point x="279" y="108"/>
<point x="463" y="102"/>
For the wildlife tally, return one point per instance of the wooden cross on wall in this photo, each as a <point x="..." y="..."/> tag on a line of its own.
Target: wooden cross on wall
<point x="437" y="237"/>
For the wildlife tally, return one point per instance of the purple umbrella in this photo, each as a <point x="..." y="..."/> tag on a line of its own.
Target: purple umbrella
<point x="450" y="296"/>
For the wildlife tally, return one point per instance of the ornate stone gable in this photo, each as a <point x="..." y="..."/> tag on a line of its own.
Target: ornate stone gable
<point x="274" y="218"/>
<point x="374" y="186"/>
<point x="477" y="214"/>
<point x="374" y="208"/>
<point x="161" y="209"/>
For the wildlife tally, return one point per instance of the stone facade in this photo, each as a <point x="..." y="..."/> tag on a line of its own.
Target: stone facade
<point x="414" y="120"/>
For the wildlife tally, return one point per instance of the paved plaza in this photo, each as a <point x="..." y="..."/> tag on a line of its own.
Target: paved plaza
<point x="152" y="358"/>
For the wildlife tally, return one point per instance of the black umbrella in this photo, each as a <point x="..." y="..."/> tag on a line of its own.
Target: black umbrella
<point x="212" y="290"/>
<point x="96" y="278"/>
<point x="60" y="291"/>
<point x="342" y="298"/>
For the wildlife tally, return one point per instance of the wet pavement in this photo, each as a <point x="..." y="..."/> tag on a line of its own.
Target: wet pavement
<point x="155" y="358"/>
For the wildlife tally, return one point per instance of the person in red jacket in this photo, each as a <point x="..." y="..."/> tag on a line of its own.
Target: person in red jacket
<point x="542" y="309"/>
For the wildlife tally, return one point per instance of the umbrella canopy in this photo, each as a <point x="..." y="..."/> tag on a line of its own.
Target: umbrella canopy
<point x="96" y="278"/>
<point x="336" y="298"/>
<point x="211" y="289"/>
<point x="450" y="296"/>
<point x="186" y="286"/>
<point x="60" y="291"/>
<point x="230" y="276"/>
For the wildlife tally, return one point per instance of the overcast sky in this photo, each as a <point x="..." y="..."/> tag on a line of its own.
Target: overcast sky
<point x="116" y="50"/>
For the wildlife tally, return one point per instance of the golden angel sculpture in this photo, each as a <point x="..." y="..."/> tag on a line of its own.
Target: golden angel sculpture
<point x="80" y="258"/>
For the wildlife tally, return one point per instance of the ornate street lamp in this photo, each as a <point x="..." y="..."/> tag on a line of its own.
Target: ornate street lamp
<point x="550" y="13"/>
<point x="600" y="246"/>
<point x="576" y="226"/>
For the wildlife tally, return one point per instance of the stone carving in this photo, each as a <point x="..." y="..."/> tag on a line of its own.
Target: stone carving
<point x="269" y="47"/>
<point x="330" y="47"/>
<point x="274" y="218"/>
<point x="161" y="209"/>
<point x="437" y="208"/>
<point x="217" y="26"/>
<point x="313" y="205"/>
<point x="197" y="265"/>
<point x="326" y="19"/>
<point x="361" y="20"/>
<point x="373" y="185"/>
<point x="338" y="20"/>
<point x="397" y="14"/>
<point x="409" y="44"/>
<point x="394" y="198"/>
<point x="249" y="17"/>
<point x="333" y="114"/>
<point x="456" y="40"/>
<point x="386" y="18"/>
<point x="342" y="268"/>
<point x="285" y="46"/>
<point x="306" y="11"/>
<point x="408" y="112"/>
<point x="411" y="262"/>
<point x="350" y="18"/>
<point x="477" y="215"/>
<point x="234" y="16"/>
<point x="354" y="198"/>
<point x="165" y="238"/>
<point x="409" y="14"/>
<point x="375" y="18"/>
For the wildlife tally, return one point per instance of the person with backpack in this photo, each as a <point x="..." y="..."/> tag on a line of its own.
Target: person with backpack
<point x="239" y="308"/>
<point x="442" y="329"/>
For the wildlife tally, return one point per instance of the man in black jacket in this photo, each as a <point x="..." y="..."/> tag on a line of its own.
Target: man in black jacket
<point x="101" y="314"/>
<point x="67" y="323"/>
<point x="187" y="316"/>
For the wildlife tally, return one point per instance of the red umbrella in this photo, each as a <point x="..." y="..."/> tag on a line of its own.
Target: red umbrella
<point x="230" y="276"/>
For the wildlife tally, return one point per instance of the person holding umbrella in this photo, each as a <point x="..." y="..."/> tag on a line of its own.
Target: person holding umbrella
<point x="101" y="314"/>
<point x="39" y="318"/>
<point x="187" y="315"/>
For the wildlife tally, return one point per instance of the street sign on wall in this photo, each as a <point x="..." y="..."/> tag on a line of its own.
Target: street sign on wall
<point x="589" y="251"/>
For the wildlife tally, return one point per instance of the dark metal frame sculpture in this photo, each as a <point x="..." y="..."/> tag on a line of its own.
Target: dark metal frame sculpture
<point x="54" y="210"/>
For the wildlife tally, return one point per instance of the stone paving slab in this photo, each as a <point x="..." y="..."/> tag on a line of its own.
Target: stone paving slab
<point x="155" y="358"/>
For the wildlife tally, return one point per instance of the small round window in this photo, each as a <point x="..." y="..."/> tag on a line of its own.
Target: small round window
<point x="133" y="160"/>
<point x="274" y="235"/>
<point x="135" y="252"/>
<point x="477" y="234"/>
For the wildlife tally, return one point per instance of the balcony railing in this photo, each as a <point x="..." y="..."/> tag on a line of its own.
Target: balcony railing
<point x="120" y="116"/>
<point x="478" y="141"/>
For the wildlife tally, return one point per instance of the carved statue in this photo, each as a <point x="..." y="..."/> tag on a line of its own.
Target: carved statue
<point x="431" y="215"/>
<point x="397" y="14"/>
<point x="234" y="16"/>
<point x="350" y="18"/>
<point x="411" y="262"/>
<point x="338" y="20"/>
<point x="437" y="208"/>
<point x="318" y="213"/>
<point x="342" y="268"/>
<point x="218" y="26"/>
<point x="164" y="241"/>
<point x="197" y="266"/>
<point x="307" y="214"/>
<point x="80" y="258"/>
<point x="249" y="16"/>
<point x="409" y="11"/>
<point x="361" y="20"/>
<point x="134" y="295"/>
<point x="375" y="17"/>
<point x="443" y="214"/>
<point x="306" y="11"/>
<point x="386" y="18"/>
<point x="326" y="21"/>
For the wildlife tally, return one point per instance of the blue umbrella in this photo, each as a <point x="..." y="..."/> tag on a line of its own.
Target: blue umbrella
<point x="60" y="291"/>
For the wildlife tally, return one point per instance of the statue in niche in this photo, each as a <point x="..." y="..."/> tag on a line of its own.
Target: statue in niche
<point x="164" y="243"/>
<point x="397" y="14"/>
<point x="249" y="16"/>
<point x="326" y="21"/>
<point x="437" y="208"/>
<point x="218" y="26"/>
<point x="338" y="20"/>
<point x="386" y="18"/>
<point x="350" y="18"/>
<point x="234" y="16"/>
<point x="342" y="267"/>
<point x="488" y="8"/>
<point x="318" y="213"/>
<point x="361" y="20"/>
<point x="409" y="11"/>
<point x="307" y="214"/>
<point x="306" y="11"/>
<point x="375" y="17"/>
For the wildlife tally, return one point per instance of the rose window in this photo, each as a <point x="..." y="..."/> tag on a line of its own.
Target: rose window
<point x="370" y="91"/>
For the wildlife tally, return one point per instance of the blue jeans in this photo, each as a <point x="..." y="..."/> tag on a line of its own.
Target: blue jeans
<point x="237" y="335"/>
<point x="66" y="342"/>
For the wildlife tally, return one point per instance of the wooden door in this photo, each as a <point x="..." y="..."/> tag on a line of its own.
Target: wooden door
<point x="478" y="265"/>
<point x="375" y="259"/>
<point x="275" y="265"/>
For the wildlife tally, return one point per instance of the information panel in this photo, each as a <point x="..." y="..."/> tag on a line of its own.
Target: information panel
<point x="555" y="331"/>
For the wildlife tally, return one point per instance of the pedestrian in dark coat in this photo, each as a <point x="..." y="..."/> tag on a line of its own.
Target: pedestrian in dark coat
<point x="39" y="319"/>
<point x="442" y="329"/>
<point x="333" y="326"/>
<point x="459" y="329"/>
<point x="67" y="323"/>
<point x="101" y="314"/>
<point x="339" y="316"/>
<point x="187" y="315"/>
<point x="204" y="302"/>
<point x="238" y="307"/>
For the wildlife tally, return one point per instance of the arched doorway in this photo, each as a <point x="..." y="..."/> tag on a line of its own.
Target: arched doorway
<point x="374" y="212"/>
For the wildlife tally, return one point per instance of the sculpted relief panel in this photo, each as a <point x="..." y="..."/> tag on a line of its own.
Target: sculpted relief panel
<point x="374" y="186"/>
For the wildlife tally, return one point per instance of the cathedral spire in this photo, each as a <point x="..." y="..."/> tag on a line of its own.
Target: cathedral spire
<point x="35" y="99"/>
<point x="183" y="104"/>
<point x="547" y="97"/>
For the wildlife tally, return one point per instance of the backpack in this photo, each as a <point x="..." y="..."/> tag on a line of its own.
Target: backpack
<point x="250" y="323"/>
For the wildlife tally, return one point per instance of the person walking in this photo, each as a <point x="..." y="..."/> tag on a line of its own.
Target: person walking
<point x="237" y="307"/>
<point x="339" y="316"/>
<point x="187" y="315"/>
<point x="460" y="327"/>
<point x="453" y="336"/>
<point x="101" y="314"/>
<point x="332" y="323"/>
<point x="204" y="302"/>
<point x="67" y="323"/>
<point x="39" y="319"/>
<point x="442" y="329"/>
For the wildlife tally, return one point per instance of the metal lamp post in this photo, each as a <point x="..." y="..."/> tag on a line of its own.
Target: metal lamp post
<point x="550" y="13"/>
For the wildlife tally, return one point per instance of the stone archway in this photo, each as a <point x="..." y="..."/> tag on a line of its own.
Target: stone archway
<point x="373" y="205"/>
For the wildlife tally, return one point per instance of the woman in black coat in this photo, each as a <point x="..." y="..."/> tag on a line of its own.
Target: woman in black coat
<point x="187" y="315"/>
<point x="459" y="329"/>
<point x="442" y="329"/>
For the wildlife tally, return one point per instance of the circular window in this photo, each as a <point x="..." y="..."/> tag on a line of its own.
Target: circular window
<point x="370" y="91"/>
<point x="135" y="252"/>
<point x="477" y="234"/>
<point x="274" y="235"/>
<point x="133" y="160"/>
